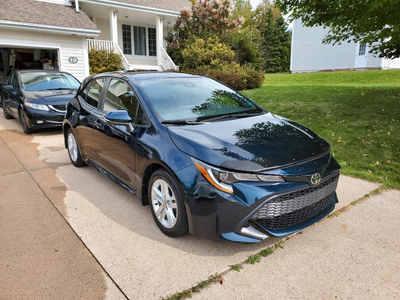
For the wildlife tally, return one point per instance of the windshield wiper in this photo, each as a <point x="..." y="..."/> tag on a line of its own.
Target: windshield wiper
<point x="232" y="116"/>
<point x="61" y="88"/>
<point x="181" y="122"/>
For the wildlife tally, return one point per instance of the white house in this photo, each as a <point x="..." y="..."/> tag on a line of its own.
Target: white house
<point x="46" y="34"/>
<point x="309" y="54"/>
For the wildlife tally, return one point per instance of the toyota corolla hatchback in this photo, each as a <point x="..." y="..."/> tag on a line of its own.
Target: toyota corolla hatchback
<point x="206" y="159"/>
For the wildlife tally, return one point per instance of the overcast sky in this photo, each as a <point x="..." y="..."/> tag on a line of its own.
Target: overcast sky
<point x="254" y="3"/>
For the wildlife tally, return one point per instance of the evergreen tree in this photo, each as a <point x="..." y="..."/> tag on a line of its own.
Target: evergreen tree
<point x="275" y="43"/>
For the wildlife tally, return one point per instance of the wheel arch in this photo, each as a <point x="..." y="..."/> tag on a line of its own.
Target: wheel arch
<point x="144" y="197"/>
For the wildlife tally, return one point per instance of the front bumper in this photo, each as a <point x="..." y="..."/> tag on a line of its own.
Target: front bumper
<point x="37" y="119"/>
<point x="257" y="211"/>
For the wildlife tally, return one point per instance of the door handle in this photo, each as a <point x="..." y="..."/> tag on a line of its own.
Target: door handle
<point x="97" y="124"/>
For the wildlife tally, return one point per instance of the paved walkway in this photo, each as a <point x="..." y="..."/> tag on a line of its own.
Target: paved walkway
<point x="70" y="233"/>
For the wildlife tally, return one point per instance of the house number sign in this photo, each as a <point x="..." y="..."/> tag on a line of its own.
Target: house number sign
<point x="73" y="60"/>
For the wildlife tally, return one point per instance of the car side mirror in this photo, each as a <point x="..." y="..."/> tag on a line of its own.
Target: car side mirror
<point x="8" y="88"/>
<point x="120" y="117"/>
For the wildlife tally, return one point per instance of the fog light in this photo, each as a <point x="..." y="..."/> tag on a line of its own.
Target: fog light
<point x="39" y="121"/>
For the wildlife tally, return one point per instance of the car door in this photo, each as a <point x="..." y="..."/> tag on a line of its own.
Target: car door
<point x="115" y="143"/>
<point x="89" y="99"/>
<point x="12" y="99"/>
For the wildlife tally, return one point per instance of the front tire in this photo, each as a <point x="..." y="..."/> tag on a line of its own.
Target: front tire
<point x="24" y="122"/>
<point x="5" y="113"/>
<point x="167" y="206"/>
<point x="73" y="150"/>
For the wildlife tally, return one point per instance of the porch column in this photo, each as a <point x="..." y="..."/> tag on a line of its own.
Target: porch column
<point x="159" y="38"/>
<point x="114" y="26"/>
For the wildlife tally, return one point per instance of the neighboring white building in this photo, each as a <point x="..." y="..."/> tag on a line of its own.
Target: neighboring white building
<point x="44" y="34"/>
<point x="309" y="54"/>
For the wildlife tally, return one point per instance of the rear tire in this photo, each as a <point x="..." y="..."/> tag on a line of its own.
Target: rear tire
<point x="5" y="113"/>
<point x="166" y="204"/>
<point x="73" y="150"/>
<point x="24" y="122"/>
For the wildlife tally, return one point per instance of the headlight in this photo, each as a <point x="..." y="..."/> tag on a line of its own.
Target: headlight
<point x="37" y="106"/>
<point x="223" y="179"/>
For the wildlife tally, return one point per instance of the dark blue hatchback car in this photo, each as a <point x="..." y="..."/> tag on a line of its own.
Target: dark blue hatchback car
<point x="207" y="160"/>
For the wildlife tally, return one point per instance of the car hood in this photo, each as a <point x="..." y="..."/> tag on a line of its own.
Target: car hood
<point x="250" y="144"/>
<point x="56" y="97"/>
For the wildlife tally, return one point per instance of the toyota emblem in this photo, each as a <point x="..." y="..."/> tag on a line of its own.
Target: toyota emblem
<point x="315" y="179"/>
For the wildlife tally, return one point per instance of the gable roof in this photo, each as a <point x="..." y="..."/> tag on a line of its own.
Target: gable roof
<point x="172" y="5"/>
<point x="33" y="14"/>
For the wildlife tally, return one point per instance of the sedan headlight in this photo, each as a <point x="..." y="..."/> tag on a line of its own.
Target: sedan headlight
<point x="37" y="106"/>
<point x="223" y="179"/>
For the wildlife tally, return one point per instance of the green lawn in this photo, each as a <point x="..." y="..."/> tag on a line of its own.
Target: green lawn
<point x="357" y="112"/>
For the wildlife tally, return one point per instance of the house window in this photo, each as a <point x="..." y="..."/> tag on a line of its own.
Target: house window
<point x="139" y="38"/>
<point x="126" y="39"/>
<point x="152" y="42"/>
<point x="362" y="49"/>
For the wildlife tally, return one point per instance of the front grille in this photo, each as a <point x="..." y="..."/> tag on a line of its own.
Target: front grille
<point x="59" y="108"/>
<point x="293" y="208"/>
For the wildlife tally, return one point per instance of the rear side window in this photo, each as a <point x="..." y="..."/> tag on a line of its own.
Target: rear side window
<point x="91" y="93"/>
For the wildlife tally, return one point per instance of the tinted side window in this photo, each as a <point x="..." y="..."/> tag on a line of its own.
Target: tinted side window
<point x="91" y="93"/>
<point x="120" y="96"/>
<point x="14" y="82"/>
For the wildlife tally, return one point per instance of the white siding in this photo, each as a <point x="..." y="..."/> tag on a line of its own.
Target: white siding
<point x="310" y="54"/>
<point x="104" y="26"/>
<point x="394" y="63"/>
<point x="67" y="45"/>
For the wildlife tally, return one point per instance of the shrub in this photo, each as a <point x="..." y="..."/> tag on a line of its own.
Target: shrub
<point x="209" y="54"/>
<point x="235" y="76"/>
<point x="103" y="61"/>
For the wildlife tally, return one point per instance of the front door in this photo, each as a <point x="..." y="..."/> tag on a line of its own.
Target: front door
<point x="361" y="56"/>
<point x="115" y="144"/>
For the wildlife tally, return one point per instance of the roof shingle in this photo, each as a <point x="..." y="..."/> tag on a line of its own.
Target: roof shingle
<point x="37" y="12"/>
<point x="173" y="5"/>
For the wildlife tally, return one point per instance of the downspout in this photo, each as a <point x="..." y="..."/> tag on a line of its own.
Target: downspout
<point x="77" y="6"/>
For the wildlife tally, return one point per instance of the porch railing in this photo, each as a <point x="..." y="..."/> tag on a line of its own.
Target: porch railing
<point x="108" y="46"/>
<point x="166" y="61"/>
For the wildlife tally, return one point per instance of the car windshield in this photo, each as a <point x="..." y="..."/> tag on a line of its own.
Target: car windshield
<point x="48" y="81"/>
<point x="196" y="99"/>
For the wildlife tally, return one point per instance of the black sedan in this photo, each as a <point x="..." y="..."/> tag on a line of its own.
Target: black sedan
<point x="38" y="98"/>
<point x="207" y="160"/>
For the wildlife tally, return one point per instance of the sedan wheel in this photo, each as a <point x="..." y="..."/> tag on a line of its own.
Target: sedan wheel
<point x="24" y="122"/>
<point x="73" y="150"/>
<point x="166" y="203"/>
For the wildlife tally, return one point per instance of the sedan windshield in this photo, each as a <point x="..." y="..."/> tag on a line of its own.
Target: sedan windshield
<point x="48" y="81"/>
<point x="196" y="99"/>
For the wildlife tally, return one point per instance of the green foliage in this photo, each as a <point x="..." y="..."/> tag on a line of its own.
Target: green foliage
<point x="206" y="20"/>
<point x="246" y="52"/>
<point x="275" y="43"/>
<point x="209" y="54"/>
<point x="235" y="76"/>
<point x="360" y="21"/>
<point x="357" y="112"/>
<point x="253" y="259"/>
<point x="103" y="61"/>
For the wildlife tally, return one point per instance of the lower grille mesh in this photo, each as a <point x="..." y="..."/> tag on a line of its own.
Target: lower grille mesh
<point x="290" y="209"/>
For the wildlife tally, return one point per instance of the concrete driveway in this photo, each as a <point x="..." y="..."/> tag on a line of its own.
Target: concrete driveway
<point x="70" y="233"/>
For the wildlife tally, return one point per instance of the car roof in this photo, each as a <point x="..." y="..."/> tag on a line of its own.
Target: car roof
<point x="145" y="75"/>
<point x="39" y="71"/>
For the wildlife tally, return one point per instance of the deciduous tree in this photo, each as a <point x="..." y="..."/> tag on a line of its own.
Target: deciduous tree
<point x="364" y="21"/>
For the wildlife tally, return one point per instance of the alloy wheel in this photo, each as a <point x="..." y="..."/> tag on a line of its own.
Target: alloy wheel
<point x="72" y="147"/>
<point x="164" y="203"/>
